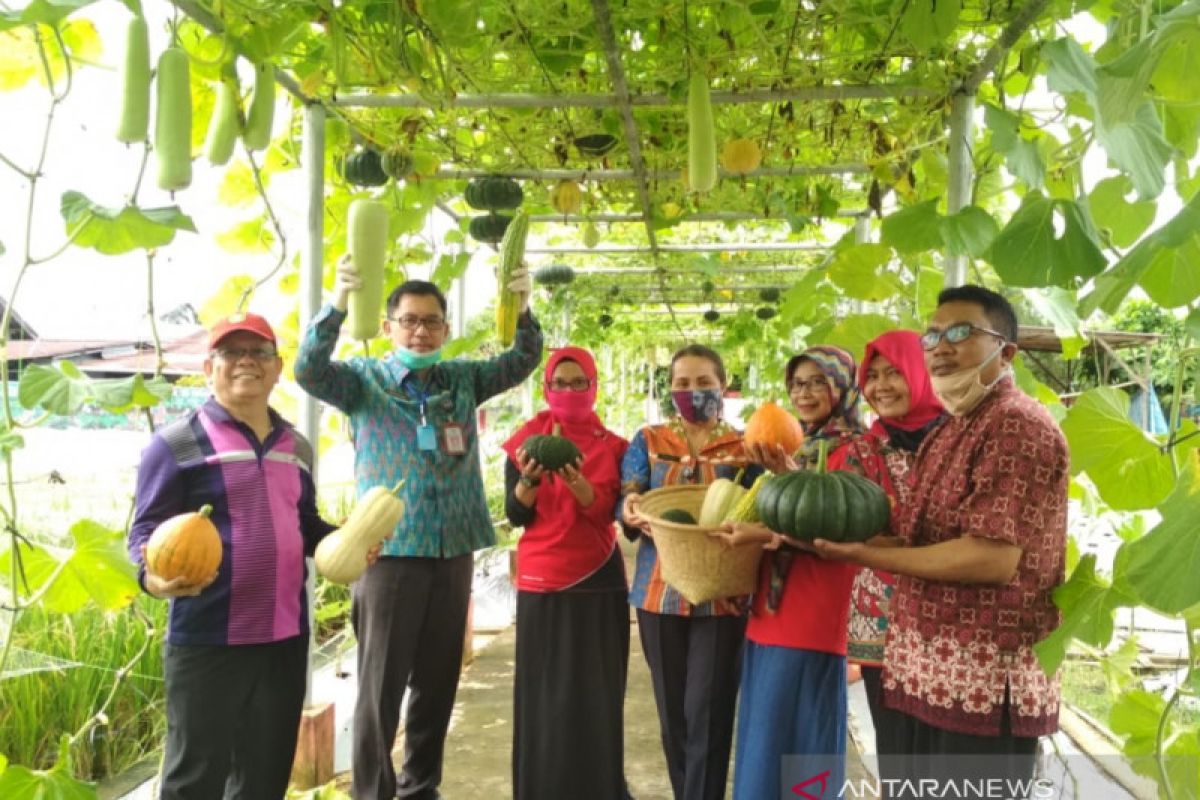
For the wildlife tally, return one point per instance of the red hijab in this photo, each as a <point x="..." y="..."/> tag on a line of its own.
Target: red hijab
<point x="903" y="350"/>
<point x="590" y="435"/>
<point x="564" y="545"/>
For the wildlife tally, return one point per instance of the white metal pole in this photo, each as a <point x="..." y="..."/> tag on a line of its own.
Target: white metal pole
<point x="958" y="193"/>
<point x="311" y="269"/>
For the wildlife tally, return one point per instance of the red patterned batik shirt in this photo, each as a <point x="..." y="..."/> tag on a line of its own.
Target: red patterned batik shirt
<point x="954" y="649"/>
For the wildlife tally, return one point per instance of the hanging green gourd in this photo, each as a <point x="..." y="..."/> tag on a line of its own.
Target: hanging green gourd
<point x="367" y="238"/>
<point x="223" y="126"/>
<point x="364" y="168"/>
<point x="702" y="140"/>
<point x="818" y="504"/>
<point x="769" y="295"/>
<point x="489" y="228"/>
<point x="173" y="121"/>
<point x="554" y="275"/>
<point x="764" y="313"/>
<point x="591" y="236"/>
<point x="397" y="163"/>
<point x="494" y="193"/>
<point x="712" y="315"/>
<point x="134" y="121"/>
<point x="257" y="134"/>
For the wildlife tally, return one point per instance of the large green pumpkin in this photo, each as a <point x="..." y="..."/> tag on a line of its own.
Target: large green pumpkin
<point x="552" y="452"/>
<point x="818" y="504"/>
<point x="493" y="193"/>
<point x="364" y="168"/>
<point x="554" y="275"/>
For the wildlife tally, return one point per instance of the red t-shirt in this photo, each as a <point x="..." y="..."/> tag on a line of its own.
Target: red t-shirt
<point x="814" y="609"/>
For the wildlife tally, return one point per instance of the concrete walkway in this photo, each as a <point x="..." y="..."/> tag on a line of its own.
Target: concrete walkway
<point x="479" y="747"/>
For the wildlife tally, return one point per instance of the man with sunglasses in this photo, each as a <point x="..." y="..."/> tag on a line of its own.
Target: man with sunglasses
<point x="236" y="652"/>
<point x="982" y="547"/>
<point x="413" y="416"/>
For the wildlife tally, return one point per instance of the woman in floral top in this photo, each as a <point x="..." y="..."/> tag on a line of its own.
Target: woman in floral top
<point x="693" y="651"/>
<point x="894" y="381"/>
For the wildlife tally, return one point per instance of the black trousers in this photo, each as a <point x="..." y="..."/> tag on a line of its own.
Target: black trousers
<point x="889" y="724"/>
<point x="232" y="717"/>
<point x="695" y="666"/>
<point x="410" y="616"/>
<point x="927" y="756"/>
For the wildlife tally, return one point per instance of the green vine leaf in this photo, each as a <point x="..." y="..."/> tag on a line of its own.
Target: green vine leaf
<point x="1087" y="602"/>
<point x="46" y="12"/>
<point x="927" y="25"/>
<point x="1178" y="65"/>
<point x="450" y="268"/>
<point x="96" y="570"/>
<point x="1129" y="470"/>
<point x="860" y="272"/>
<point x="22" y="783"/>
<point x="252" y="236"/>
<point x="119" y="395"/>
<point x="1138" y="147"/>
<point x="914" y="228"/>
<point x="1028" y="253"/>
<point x="1021" y="155"/>
<point x="853" y="332"/>
<point x="225" y="301"/>
<point x="1124" y="221"/>
<point x="59" y="388"/>
<point x="1070" y="68"/>
<point x="1134" y="717"/>
<point x="1114" y="286"/>
<point x="113" y="231"/>
<point x="1058" y="306"/>
<point x="1162" y="565"/>
<point x="970" y="232"/>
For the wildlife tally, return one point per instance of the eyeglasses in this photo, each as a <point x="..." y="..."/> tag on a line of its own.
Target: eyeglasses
<point x="957" y="333"/>
<point x="815" y="385"/>
<point x="576" y="385"/>
<point x="236" y="354"/>
<point x="410" y="322"/>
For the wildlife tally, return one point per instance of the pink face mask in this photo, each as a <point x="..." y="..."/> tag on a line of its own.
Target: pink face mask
<point x="571" y="406"/>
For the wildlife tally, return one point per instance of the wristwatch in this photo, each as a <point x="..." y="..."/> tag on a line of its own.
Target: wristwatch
<point x="529" y="482"/>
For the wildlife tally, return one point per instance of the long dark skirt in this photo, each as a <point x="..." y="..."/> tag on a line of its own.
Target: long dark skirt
<point x="569" y="695"/>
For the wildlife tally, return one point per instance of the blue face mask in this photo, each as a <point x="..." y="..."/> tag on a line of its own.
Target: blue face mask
<point x="414" y="360"/>
<point x="700" y="405"/>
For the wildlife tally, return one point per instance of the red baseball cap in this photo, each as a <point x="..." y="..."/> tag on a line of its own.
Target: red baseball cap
<point x="240" y="322"/>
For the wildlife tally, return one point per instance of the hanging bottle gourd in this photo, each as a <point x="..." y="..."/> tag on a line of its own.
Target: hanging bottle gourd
<point x="368" y="241"/>
<point x="262" y="109"/>
<point x="702" y="141"/>
<point x="135" y="81"/>
<point x="223" y="127"/>
<point x="173" y="121"/>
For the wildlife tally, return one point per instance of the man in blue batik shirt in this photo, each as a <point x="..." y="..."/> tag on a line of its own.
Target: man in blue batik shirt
<point x="413" y="417"/>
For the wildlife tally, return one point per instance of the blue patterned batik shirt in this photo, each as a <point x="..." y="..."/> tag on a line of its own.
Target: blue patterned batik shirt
<point x="446" y="511"/>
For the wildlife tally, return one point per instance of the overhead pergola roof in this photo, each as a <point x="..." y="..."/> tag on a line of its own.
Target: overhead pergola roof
<point x="849" y="100"/>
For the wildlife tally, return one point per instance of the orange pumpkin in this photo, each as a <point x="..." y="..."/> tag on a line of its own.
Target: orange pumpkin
<point x="772" y="425"/>
<point x="185" y="546"/>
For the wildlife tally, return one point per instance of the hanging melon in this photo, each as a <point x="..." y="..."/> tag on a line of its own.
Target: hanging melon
<point x="494" y="193"/>
<point x="398" y="163"/>
<point x="566" y="197"/>
<point x="740" y="156"/>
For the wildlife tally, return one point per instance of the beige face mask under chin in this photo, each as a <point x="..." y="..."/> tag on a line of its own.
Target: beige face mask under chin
<point x="962" y="391"/>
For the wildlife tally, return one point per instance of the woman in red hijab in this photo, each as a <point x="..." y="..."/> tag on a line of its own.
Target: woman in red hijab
<point x="572" y="618"/>
<point x="893" y="379"/>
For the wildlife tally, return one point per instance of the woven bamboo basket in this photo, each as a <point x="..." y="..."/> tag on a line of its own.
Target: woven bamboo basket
<point x="698" y="566"/>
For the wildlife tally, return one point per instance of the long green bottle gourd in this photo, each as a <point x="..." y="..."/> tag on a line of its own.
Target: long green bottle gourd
<point x="134" y="121"/>
<point x="702" y="140"/>
<point x="368" y="238"/>
<point x="223" y="127"/>
<point x="262" y="108"/>
<point x="512" y="252"/>
<point x="173" y="121"/>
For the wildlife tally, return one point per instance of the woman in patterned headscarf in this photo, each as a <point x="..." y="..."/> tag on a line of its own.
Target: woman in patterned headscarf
<point x="794" y="671"/>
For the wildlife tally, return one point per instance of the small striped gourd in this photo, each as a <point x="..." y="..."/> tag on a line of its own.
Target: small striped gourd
<point x="342" y="555"/>
<point x="566" y="197"/>
<point x="744" y="510"/>
<point x="719" y="500"/>
<point x="173" y="121"/>
<point x="367" y="236"/>
<point x="223" y="127"/>
<point x="134" y="121"/>
<point x="185" y="546"/>
<point x="702" y="140"/>
<point x="512" y="252"/>
<point x="257" y="134"/>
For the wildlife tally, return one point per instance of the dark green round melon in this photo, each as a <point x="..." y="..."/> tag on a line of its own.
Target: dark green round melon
<point x="552" y="452"/>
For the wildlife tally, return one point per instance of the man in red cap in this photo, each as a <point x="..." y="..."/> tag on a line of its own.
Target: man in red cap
<point x="235" y="657"/>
